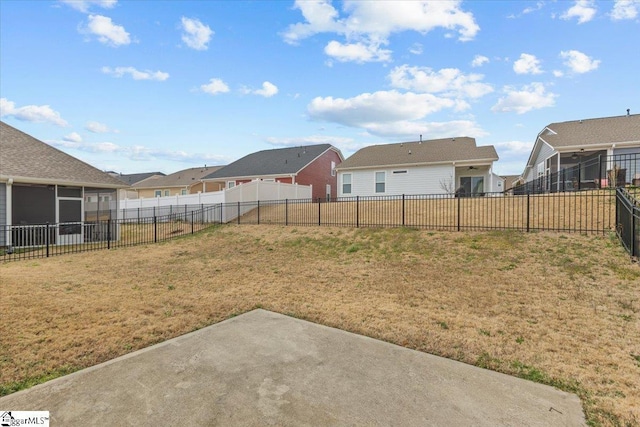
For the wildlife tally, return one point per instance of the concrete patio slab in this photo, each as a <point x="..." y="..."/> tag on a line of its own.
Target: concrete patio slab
<point x="264" y="368"/>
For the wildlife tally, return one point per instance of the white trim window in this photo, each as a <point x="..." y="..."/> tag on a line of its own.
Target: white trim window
<point x="333" y="168"/>
<point x="183" y="192"/>
<point x="346" y="183"/>
<point x="167" y="193"/>
<point x="157" y="193"/>
<point x="540" y="169"/>
<point x="380" y="181"/>
<point x="231" y="184"/>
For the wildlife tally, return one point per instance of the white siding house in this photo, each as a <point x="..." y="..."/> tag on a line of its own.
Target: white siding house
<point x="421" y="167"/>
<point x="585" y="151"/>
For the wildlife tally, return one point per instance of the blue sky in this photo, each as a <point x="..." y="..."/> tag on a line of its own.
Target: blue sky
<point x="136" y="86"/>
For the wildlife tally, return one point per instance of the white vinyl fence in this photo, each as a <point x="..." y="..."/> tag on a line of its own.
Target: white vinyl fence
<point x="250" y="192"/>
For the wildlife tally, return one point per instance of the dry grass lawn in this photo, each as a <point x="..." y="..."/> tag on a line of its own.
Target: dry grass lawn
<point x="558" y="309"/>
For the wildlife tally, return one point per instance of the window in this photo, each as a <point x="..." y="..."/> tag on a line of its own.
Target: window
<point x="158" y="193"/>
<point x="380" y="178"/>
<point x="473" y="185"/>
<point x="167" y="193"/>
<point x="346" y="183"/>
<point x="231" y="184"/>
<point x="183" y="192"/>
<point x="333" y="168"/>
<point x="541" y="169"/>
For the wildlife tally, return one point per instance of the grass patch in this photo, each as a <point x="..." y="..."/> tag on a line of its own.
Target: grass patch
<point x="541" y="306"/>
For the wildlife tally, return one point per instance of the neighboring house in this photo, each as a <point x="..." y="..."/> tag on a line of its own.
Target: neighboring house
<point x="40" y="184"/>
<point x="510" y="181"/>
<point x="583" y="153"/>
<point x="187" y="181"/>
<point x="132" y="178"/>
<point x="423" y="167"/>
<point x="313" y="165"/>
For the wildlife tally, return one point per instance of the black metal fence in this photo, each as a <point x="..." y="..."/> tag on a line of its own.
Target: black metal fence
<point x="45" y="240"/>
<point x="582" y="212"/>
<point x="594" y="172"/>
<point x="587" y="212"/>
<point x="628" y="220"/>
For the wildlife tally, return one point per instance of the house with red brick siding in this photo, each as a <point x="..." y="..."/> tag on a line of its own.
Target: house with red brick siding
<point x="312" y="165"/>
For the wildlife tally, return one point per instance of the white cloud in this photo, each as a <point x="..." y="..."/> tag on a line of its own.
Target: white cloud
<point x="136" y="74"/>
<point x="429" y="130"/>
<point x="383" y="106"/>
<point x="337" y="141"/>
<point x="449" y="82"/>
<point x="625" y="9"/>
<point x="539" y="5"/>
<point x="530" y="97"/>
<point x="367" y="25"/>
<point x="527" y="64"/>
<point x="584" y="10"/>
<point x="479" y="61"/>
<point x="97" y="127"/>
<point x="268" y="90"/>
<point x="357" y="52"/>
<point x="31" y="113"/>
<point x="83" y="5"/>
<point x="108" y="33"/>
<point x="513" y="148"/>
<point x="214" y="87"/>
<point x="578" y="62"/>
<point x="139" y="152"/>
<point x="73" y="137"/>
<point x="196" y="34"/>
<point x="558" y="73"/>
<point x="393" y="114"/>
<point x="416" y="49"/>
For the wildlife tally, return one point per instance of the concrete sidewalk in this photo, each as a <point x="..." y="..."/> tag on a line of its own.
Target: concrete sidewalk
<point x="263" y="368"/>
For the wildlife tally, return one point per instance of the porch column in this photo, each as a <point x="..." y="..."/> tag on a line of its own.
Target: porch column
<point x="9" y="219"/>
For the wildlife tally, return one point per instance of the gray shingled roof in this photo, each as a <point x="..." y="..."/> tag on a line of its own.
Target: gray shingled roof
<point x="26" y="159"/>
<point x="433" y="151"/>
<point x="280" y="161"/>
<point x="605" y="130"/>
<point x="177" y="179"/>
<point x="132" y="178"/>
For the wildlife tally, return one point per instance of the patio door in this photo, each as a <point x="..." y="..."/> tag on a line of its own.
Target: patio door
<point x="69" y="207"/>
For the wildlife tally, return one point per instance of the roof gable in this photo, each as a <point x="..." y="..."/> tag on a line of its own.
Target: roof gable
<point x="182" y="178"/>
<point x="28" y="159"/>
<point x="279" y="161"/>
<point x="604" y="130"/>
<point x="132" y="178"/>
<point x="461" y="149"/>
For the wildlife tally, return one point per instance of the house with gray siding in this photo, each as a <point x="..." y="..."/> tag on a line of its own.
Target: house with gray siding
<point x="40" y="184"/>
<point x="439" y="166"/>
<point x="587" y="153"/>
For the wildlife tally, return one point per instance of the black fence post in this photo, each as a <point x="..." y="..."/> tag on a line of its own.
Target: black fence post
<point x="633" y="231"/>
<point x="258" y="212"/>
<point x="238" y="212"/>
<point x="600" y="171"/>
<point x="46" y="239"/>
<point x="286" y="211"/>
<point x="319" y="222"/>
<point x="403" y="210"/>
<point x="528" y="227"/>
<point x="138" y="216"/>
<point x="109" y="233"/>
<point x="357" y="211"/>
<point x="191" y="221"/>
<point x="155" y="228"/>
<point x="579" y="174"/>
<point x="221" y="217"/>
<point x="459" y="198"/>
